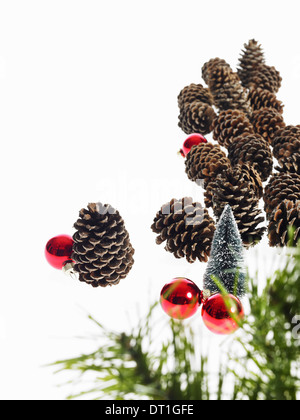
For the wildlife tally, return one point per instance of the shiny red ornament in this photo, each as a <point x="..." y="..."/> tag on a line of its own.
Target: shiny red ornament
<point x="192" y="140"/>
<point x="181" y="298"/>
<point x="59" y="250"/>
<point x="222" y="314"/>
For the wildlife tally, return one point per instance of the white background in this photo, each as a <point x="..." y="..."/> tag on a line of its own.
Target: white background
<point x="88" y="112"/>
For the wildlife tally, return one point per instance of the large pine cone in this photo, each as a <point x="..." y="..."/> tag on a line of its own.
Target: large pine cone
<point x="254" y="149"/>
<point x="267" y="122"/>
<point x="229" y="125"/>
<point x="232" y="187"/>
<point x="261" y="98"/>
<point x="187" y="229"/>
<point x="286" y="147"/>
<point x="266" y="77"/>
<point x="193" y="93"/>
<point x="285" y="217"/>
<point x="227" y="91"/>
<point x="196" y="117"/>
<point x="282" y="186"/>
<point x="205" y="162"/>
<point x="252" y="57"/>
<point x="102" y="250"/>
<point x="209" y="67"/>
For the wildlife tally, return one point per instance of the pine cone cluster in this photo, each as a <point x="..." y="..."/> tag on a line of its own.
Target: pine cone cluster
<point x="187" y="229"/>
<point x="229" y="125"/>
<point x="102" y="250"/>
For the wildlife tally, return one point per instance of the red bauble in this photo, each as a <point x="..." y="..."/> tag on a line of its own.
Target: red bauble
<point x="192" y="140"/>
<point x="59" y="250"/>
<point x="222" y="314"/>
<point x="181" y="298"/>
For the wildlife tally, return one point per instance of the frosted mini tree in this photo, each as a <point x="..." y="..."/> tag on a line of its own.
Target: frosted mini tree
<point x="226" y="265"/>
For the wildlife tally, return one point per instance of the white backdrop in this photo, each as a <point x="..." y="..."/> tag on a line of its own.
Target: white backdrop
<point x="88" y="112"/>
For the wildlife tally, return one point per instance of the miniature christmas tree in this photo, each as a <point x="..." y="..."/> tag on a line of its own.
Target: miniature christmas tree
<point x="225" y="267"/>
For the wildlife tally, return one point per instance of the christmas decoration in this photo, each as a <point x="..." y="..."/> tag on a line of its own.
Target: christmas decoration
<point x="284" y="226"/>
<point x="181" y="298"/>
<point x="230" y="125"/>
<point x="222" y="314"/>
<point x="196" y="117"/>
<point x="59" y="250"/>
<point x="266" y="122"/>
<point x="226" y="263"/>
<point x="192" y="140"/>
<point x="252" y="149"/>
<point x="187" y="229"/>
<point x="103" y="253"/>
<point x="252" y="57"/>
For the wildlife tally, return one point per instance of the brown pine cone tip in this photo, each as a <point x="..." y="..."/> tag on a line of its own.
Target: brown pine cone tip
<point x="205" y="161"/>
<point x="229" y="125"/>
<point x="266" y="122"/>
<point x="253" y="149"/>
<point x="282" y="186"/>
<point x="233" y="188"/>
<point x="187" y="229"/>
<point x="284" y="226"/>
<point x="266" y="77"/>
<point x="252" y="57"/>
<point x="286" y="145"/>
<point x="261" y="98"/>
<point x="196" y="117"/>
<point x="102" y="250"/>
<point x="211" y="65"/>
<point x="193" y="93"/>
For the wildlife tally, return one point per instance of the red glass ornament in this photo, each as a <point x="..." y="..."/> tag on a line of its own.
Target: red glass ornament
<point x="59" y="250"/>
<point x="181" y="298"/>
<point x="222" y="314"/>
<point x="192" y="140"/>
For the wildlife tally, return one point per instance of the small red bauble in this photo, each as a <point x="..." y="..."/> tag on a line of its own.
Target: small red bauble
<point x="192" y="140"/>
<point x="181" y="298"/>
<point x="59" y="250"/>
<point x="222" y="314"/>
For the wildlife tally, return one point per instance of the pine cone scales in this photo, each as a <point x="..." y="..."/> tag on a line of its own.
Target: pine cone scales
<point x="266" y="122"/>
<point x="253" y="149"/>
<point x="266" y="77"/>
<point x="209" y="67"/>
<point x="282" y="186"/>
<point x="252" y="57"/>
<point x="229" y="125"/>
<point x="261" y="98"/>
<point x="102" y="250"/>
<point x="205" y="161"/>
<point x="193" y="93"/>
<point x="187" y="229"/>
<point x="286" y="148"/>
<point x="285" y="217"/>
<point x="196" y="117"/>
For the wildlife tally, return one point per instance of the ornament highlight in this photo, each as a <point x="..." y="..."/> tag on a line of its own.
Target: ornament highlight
<point x="181" y="298"/>
<point x="192" y="140"/>
<point x="222" y="314"/>
<point x="59" y="251"/>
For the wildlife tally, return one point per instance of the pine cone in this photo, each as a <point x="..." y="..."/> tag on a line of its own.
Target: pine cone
<point x="252" y="57"/>
<point x="227" y="91"/>
<point x="267" y="122"/>
<point x="266" y="77"/>
<point x="193" y="93"/>
<point x="290" y="164"/>
<point x="286" y="216"/>
<point x="187" y="229"/>
<point x="211" y="65"/>
<point x="286" y="143"/>
<point x="232" y="187"/>
<point x="261" y="98"/>
<point x="196" y="117"/>
<point x="229" y="125"/>
<point x="205" y="162"/>
<point x="253" y="149"/>
<point x="282" y="186"/>
<point x="102" y="251"/>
